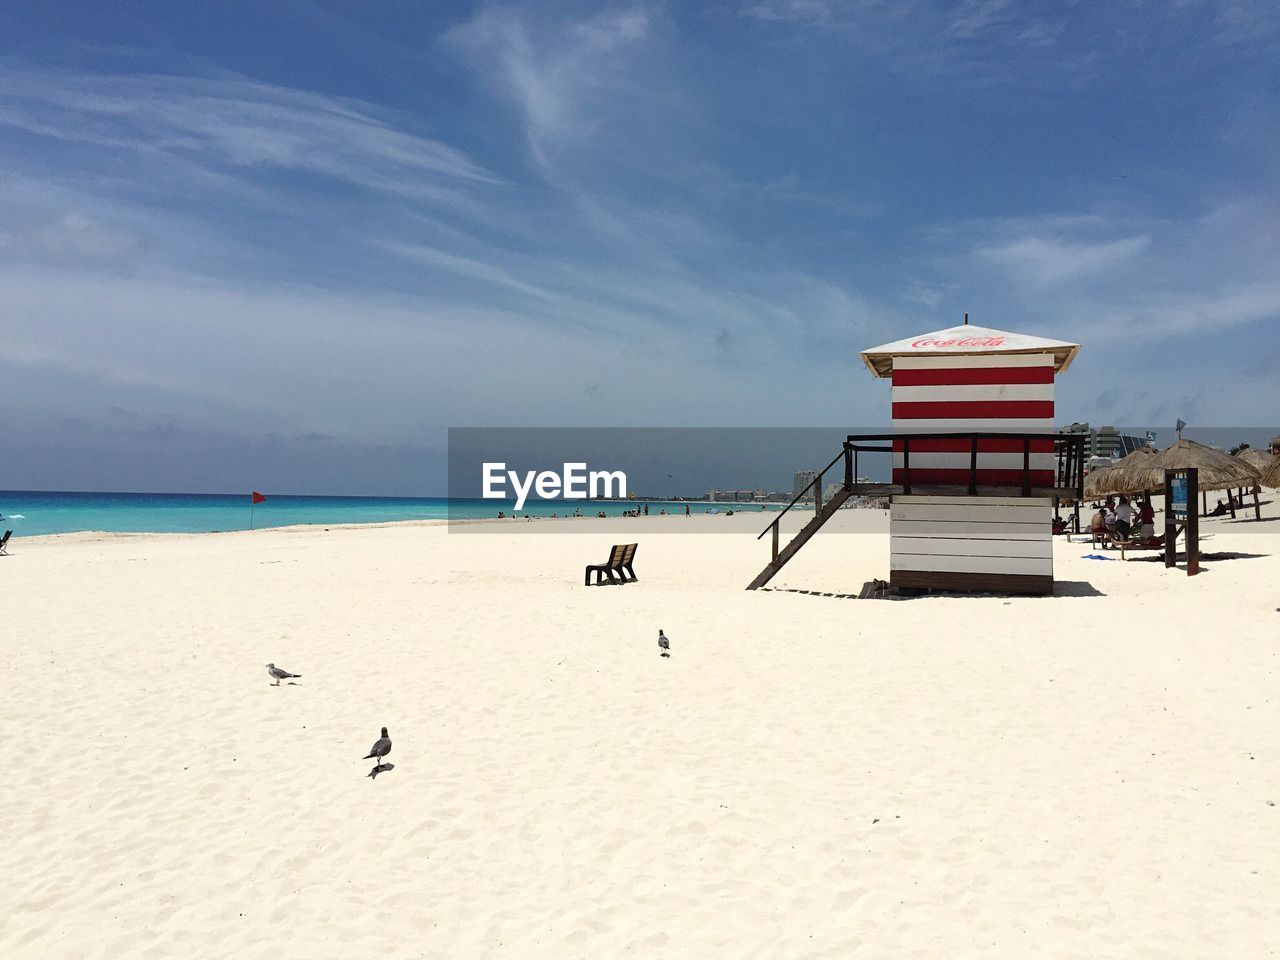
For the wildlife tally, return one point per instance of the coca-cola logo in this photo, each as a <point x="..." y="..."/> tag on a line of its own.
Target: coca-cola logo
<point x="934" y="343"/>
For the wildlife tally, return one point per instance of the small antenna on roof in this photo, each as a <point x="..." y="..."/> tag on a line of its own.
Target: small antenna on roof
<point x="966" y="319"/>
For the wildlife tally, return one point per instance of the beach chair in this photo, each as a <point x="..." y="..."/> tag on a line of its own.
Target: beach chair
<point x="617" y="568"/>
<point x="4" y="543"/>
<point x="628" y="555"/>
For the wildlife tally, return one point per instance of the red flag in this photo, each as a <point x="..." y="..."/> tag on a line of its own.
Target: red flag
<point x="257" y="497"/>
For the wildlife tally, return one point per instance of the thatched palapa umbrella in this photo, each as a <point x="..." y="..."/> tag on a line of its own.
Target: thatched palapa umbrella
<point x="1130" y="475"/>
<point x="1217" y="470"/>
<point x="1271" y="475"/>
<point x="1258" y="459"/>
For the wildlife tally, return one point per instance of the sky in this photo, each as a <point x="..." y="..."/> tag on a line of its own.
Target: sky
<point x="287" y="245"/>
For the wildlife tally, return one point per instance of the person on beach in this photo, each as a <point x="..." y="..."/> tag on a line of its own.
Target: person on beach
<point x="1124" y="517"/>
<point x="1146" y="519"/>
<point x="1098" y="528"/>
<point x="686" y="510"/>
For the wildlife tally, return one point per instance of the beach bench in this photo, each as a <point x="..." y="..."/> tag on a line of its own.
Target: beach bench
<point x="617" y="568"/>
<point x="4" y="542"/>
<point x="1149" y="543"/>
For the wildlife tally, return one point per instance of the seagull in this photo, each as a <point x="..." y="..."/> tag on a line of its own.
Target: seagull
<point x="277" y="674"/>
<point x="664" y="644"/>
<point x="379" y="749"/>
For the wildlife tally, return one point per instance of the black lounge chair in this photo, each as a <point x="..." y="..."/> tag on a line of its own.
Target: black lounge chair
<point x="4" y="542"/>
<point x="617" y="568"/>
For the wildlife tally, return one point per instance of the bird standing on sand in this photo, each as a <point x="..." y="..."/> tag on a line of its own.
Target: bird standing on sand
<point x="664" y="644"/>
<point x="379" y="749"/>
<point x="277" y="674"/>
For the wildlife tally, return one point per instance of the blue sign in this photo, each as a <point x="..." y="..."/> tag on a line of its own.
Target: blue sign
<point x="1178" y="497"/>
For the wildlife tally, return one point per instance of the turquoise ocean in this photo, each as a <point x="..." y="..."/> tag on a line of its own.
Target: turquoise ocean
<point x="34" y="513"/>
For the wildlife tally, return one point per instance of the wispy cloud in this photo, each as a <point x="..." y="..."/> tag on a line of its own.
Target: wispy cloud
<point x="977" y="16"/>
<point x="73" y="237"/>
<point x="1045" y="261"/>
<point x="554" y="73"/>
<point x="235" y="123"/>
<point x="1207" y="317"/>
<point x="906" y="26"/>
<point x="1011" y="41"/>
<point x="1247" y="21"/>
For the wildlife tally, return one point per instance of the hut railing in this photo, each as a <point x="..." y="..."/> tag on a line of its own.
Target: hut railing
<point x="1068" y="469"/>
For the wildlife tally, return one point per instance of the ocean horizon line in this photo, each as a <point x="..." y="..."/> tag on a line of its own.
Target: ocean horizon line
<point x="48" y="512"/>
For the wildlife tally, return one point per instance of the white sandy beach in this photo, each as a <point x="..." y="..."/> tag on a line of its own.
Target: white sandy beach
<point x="1088" y="775"/>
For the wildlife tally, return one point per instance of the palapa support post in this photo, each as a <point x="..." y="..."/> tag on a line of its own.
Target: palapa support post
<point x="1180" y="489"/>
<point x="1192" y="535"/>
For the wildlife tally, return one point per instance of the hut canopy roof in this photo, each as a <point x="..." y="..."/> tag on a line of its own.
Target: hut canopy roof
<point x="1124" y="476"/>
<point x="1258" y="459"/>
<point x="967" y="340"/>
<point x="1217" y="470"/>
<point x="1271" y="475"/>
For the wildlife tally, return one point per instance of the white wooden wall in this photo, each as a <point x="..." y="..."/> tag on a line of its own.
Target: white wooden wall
<point x="972" y="535"/>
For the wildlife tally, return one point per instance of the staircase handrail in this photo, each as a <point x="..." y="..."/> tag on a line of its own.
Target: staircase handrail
<point x="800" y="496"/>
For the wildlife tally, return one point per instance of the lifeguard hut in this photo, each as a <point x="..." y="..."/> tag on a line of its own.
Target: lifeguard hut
<point x="976" y="462"/>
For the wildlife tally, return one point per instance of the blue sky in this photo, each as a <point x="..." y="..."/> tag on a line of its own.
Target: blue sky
<point x="288" y="244"/>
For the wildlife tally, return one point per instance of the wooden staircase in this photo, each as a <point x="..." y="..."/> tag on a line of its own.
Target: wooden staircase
<point x="780" y="557"/>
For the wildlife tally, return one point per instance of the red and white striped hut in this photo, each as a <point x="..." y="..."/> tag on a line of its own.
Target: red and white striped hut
<point x="970" y="379"/>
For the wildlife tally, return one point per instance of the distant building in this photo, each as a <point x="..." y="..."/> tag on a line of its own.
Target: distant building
<point x="1106" y="441"/>
<point x="801" y="483"/>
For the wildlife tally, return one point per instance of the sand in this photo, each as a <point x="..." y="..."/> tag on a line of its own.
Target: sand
<point x="1088" y="775"/>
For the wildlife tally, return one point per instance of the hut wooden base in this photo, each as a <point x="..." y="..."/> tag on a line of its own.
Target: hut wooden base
<point x="971" y="582"/>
